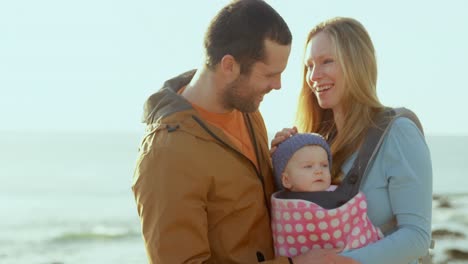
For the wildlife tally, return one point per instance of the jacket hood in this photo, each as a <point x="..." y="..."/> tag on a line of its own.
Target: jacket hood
<point x="166" y="101"/>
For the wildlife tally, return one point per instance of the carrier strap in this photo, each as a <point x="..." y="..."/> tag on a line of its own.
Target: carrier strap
<point x="370" y="147"/>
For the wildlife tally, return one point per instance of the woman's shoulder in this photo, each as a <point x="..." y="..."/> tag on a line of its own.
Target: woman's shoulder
<point x="403" y="126"/>
<point x="404" y="133"/>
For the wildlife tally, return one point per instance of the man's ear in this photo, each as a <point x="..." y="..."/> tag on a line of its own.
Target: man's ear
<point x="229" y="67"/>
<point x="285" y="180"/>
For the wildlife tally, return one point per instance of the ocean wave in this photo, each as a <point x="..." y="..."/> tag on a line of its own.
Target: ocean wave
<point x="99" y="233"/>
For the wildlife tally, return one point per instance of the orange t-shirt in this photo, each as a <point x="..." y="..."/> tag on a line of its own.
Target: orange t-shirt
<point x="233" y="125"/>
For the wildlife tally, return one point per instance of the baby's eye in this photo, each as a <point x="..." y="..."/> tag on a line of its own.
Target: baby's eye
<point x="324" y="165"/>
<point x="327" y="61"/>
<point x="307" y="166"/>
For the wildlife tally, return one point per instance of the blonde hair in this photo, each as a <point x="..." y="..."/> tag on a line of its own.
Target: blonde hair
<point x="356" y="56"/>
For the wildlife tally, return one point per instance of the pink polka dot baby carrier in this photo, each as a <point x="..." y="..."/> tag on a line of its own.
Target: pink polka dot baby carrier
<point x="301" y="225"/>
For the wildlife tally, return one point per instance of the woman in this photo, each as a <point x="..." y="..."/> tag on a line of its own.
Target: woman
<point x="338" y="100"/>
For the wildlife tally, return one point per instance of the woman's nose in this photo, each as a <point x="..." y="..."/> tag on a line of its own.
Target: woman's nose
<point x="315" y="74"/>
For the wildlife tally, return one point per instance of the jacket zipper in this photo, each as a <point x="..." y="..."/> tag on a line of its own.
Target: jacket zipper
<point x="259" y="175"/>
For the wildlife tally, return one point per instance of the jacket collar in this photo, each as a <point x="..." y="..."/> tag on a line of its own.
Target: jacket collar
<point x="166" y="101"/>
<point x="166" y="109"/>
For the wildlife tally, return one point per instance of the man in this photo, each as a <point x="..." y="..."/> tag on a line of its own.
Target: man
<point x="203" y="178"/>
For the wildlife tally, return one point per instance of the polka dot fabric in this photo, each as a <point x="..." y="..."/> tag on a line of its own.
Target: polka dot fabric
<point x="300" y="225"/>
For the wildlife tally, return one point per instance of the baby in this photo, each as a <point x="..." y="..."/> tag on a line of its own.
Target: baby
<point x="302" y="164"/>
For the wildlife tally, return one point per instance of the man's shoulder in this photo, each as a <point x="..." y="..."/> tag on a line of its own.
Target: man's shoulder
<point x="164" y="136"/>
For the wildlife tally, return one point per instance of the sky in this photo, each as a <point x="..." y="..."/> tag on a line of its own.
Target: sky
<point x="89" y="65"/>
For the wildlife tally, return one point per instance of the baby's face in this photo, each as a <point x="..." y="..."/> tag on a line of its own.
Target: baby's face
<point x="307" y="170"/>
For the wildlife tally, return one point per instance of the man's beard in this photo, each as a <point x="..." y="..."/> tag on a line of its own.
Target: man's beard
<point x="238" y="95"/>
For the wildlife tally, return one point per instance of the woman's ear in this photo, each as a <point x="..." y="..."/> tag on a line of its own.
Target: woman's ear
<point x="285" y="180"/>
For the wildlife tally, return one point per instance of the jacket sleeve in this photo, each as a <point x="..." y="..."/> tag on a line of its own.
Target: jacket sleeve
<point x="408" y="171"/>
<point x="171" y="197"/>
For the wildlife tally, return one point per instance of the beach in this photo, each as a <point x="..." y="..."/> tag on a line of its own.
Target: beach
<point x="66" y="198"/>
<point x="449" y="228"/>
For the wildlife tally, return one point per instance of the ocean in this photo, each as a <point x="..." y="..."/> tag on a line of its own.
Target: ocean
<point x="66" y="198"/>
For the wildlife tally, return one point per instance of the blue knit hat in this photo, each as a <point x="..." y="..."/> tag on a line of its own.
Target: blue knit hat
<point x="287" y="148"/>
